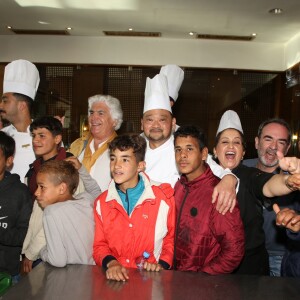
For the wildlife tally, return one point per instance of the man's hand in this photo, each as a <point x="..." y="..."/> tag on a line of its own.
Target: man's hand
<point x="26" y="265"/>
<point x="287" y="218"/>
<point x="224" y="193"/>
<point x="293" y="182"/>
<point x="116" y="271"/>
<point x="289" y="164"/>
<point x="152" y="267"/>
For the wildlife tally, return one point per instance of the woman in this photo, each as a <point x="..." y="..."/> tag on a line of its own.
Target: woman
<point x="255" y="188"/>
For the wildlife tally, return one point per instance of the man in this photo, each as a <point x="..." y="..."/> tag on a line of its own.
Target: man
<point x="158" y="124"/>
<point x="105" y="117"/>
<point x="205" y="240"/>
<point x="273" y="135"/>
<point x="21" y="81"/>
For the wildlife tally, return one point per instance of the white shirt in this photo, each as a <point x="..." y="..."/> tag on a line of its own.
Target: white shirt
<point x="24" y="154"/>
<point x="100" y="171"/>
<point x="161" y="164"/>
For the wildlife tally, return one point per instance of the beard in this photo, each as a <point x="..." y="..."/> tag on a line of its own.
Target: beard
<point x="267" y="162"/>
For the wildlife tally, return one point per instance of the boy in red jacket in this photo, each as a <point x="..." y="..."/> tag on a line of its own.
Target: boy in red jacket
<point x="205" y="240"/>
<point x="134" y="215"/>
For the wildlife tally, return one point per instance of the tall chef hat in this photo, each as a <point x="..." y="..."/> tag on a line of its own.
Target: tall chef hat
<point x="156" y="94"/>
<point x="230" y="119"/>
<point x="175" y="77"/>
<point x="21" y="76"/>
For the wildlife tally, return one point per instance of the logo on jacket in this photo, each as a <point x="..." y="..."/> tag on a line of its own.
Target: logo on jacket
<point x="3" y="224"/>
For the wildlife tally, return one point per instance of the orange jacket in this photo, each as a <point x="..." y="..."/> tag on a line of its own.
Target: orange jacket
<point x="150" y="227"/>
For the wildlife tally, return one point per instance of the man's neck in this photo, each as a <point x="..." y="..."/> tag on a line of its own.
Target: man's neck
<point x="22" y="125"/>
<point x="155" y="144"/>
<point x="263" y="168"/>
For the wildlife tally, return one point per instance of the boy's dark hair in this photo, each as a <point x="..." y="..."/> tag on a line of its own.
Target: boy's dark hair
<point x="192" y="131"/>
<point x="7" y="145"/>
<point x="50" y="123"/>
<point x="61" y="171"/>
<point x="130" y="141"/>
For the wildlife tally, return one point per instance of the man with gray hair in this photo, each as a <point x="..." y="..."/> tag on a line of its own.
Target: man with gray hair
<point x="105" y="116"/>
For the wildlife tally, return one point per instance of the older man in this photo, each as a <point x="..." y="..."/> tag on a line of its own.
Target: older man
<point x="158" y="124"/>
<point x="273" y="135"/>
<point x="21" y="81"/>
<point x="105" y="117"/>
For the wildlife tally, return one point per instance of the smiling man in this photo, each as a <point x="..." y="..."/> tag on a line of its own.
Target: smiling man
<point x="105" y="117"/>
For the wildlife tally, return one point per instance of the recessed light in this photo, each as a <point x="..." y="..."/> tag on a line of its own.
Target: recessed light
<point x="254" y="34"/>
<point x="8" y="27"/>
<point x="191" y="33"/>
<point x="130" y="29"/>
<point x="43" y="22"/>
<point x="276" y="11"/>
<point x="69" y="28"/>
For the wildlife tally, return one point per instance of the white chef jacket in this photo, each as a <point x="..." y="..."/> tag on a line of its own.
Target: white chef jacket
<point x="24" y="154"/>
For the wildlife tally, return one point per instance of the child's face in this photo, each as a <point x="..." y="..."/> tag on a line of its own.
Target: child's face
<point x="4" y="163"/>
<point x="47" y="193"/>
<point x="44" y="143"/>
<point x="124" y="168"/>
<point x="189" y="158"/>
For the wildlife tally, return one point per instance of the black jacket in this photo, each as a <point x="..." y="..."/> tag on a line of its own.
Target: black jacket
<point x="15" y="211"/>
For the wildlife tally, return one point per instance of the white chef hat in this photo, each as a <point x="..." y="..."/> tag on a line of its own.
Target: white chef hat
<point x="175" y="77"/>
<point x="230" y="119"/>
<point x="156" y="94"/>
<point x="21" y="76"/>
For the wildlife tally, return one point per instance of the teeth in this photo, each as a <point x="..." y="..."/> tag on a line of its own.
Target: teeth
<point x="230" y="152"/>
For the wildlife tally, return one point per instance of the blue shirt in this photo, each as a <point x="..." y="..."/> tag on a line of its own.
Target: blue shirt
<point x="132" y="195"/>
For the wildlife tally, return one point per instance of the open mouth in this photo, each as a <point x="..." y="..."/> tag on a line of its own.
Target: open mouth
<point x="230" y="155"/>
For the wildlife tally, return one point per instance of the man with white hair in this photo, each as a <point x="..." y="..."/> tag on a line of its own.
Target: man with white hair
<point x="20" y="84"/>
<point x="105" y="117"/>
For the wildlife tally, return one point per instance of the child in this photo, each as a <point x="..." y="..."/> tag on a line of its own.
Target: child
<point x="134" y="215"/>
<point x="15" y="210"/>
<point x="205" y="240"/>
<point x="46" y="140"/>
<point x="68" y="220"/>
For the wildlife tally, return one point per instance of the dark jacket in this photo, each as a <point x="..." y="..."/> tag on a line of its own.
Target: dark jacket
<point x="15" y="210"/>
<point x="36" y="165"/>
<point x="250" y="198"/>
<point x="205" y="240"/>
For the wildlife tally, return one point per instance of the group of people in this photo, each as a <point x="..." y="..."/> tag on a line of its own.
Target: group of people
<point x="110" y="198"/>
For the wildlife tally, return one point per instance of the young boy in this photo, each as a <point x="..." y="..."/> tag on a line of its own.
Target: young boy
<point x="46" y="141"/>
<point x="205" y="240"/>
<point x="134" y="215"/>
<point x="68" y="220"/>
<point x="15" y="210"/>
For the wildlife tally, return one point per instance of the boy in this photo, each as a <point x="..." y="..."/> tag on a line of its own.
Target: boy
<point x="15" y="210"/>
<point x="205" y="240"/>
<point x="68" y="220"/>
<point x="46" y="135"/>
<point x="133" y="215"/>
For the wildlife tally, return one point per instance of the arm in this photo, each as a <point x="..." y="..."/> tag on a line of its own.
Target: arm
<point x="54" y="253"/>
<point x="229" y="231"/>
<point x="15" y="235"/>
<point x="101" y="252"/>
<point x="166" y="256"/>
<point x="227" y="188"/>
<point x="277" y="186"/>
<point x="90" y="184"/>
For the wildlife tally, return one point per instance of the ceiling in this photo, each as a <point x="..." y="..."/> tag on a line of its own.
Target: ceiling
<point x="173" y="18"/>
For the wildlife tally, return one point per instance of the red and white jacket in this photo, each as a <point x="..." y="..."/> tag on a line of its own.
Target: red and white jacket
<point x="150" y="226"/>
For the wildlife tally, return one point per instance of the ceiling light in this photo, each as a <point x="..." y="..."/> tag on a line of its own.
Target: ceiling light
<point x="130" y="29"/>
<point x="191" y="33"/>
<point x="43" y="22"/>
<point x="254" y="34"/>
<point x="8" y="27"/>
<point x="276" y="11"/>
<point x="69" y="28"/>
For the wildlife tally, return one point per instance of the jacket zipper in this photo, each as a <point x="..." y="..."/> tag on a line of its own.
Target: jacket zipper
<point x="177" y="225"/>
